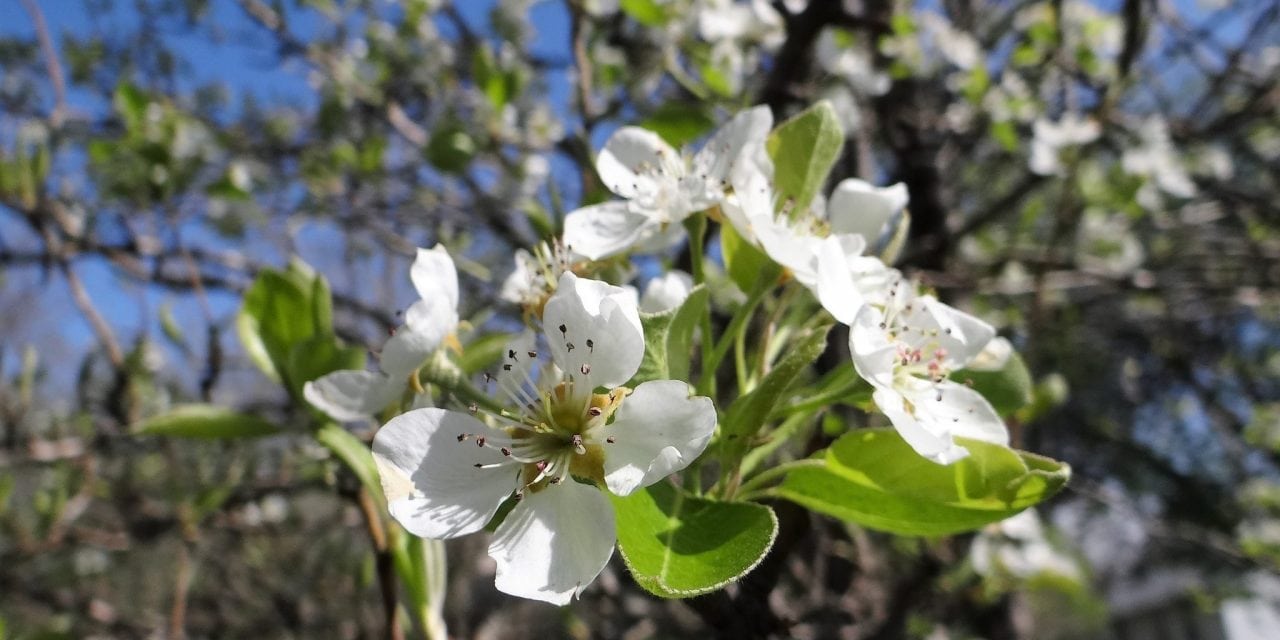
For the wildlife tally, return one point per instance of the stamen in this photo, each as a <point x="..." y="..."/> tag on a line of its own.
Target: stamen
<point x="610" y="440"/>
<point x="586" y="369"/>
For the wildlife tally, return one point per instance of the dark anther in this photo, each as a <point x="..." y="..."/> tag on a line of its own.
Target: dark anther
<point x="511" y="353"/>
<point x="564" y="329"/>
<point x="461" y="437"/>
<point x="595" y="412"/>
<point x="586" y="368"/>
<point x="505" y="451"/>
<point x="480" y="441"/>
<point x="568" y="346"/>
<point x="609" y="440"/>
<point x="506" y="367"/>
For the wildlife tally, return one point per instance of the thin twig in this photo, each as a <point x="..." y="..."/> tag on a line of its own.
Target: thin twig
<point x="51" y="64"/>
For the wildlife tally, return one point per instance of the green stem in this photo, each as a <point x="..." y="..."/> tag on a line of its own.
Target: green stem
<point x="696" y="225"/>
<point x="754" y="483"/>
<point x="736" y="325"/>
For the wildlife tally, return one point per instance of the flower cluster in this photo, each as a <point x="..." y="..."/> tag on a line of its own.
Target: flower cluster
<point x="564" y="428"/>
<point x="567" y="428"/>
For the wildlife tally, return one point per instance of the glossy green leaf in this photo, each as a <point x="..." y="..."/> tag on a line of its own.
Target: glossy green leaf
<point x="1008" y="388"/>
<point x="803" y="150"/>
<point x="318" y="356"/>
<point x="677" y="545"/>
<point x="205" y="421"/>
<point x="679" y="123"/>
<point x="668" y="339"/>
<point x="746" y="265"/>
<point x="873" y="478"/>
<point x="286" y="318"/>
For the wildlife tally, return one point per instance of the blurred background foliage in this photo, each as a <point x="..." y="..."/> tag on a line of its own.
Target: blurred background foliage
<point x="1097" y="179"/>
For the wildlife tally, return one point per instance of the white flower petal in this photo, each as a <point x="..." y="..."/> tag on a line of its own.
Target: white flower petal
<point x="963" y="336"/>
<point x="609" y="228"/>
<point x="666" y="291"/>
<point x="430" y="478"/>
<point x="737" y="148"/>
<point x="929" y="415"/>
<point x="792" y="249"/>
<point x="861" y="208"/>
<point x="836" y="283"/>
<point x="514" y="377"/>
<point x="435" y="277"/>
<point x="352" y="395"/>
<point x="634" y="162"/>
<point x="939" y="448"/>
<point x="554" y="543"/>
<point x="432" y="320"/>
<point x="873" y="353"/>
<point x="405" y="351"/>
<point x="659" y="429"/>
<point x="602" y="340"/>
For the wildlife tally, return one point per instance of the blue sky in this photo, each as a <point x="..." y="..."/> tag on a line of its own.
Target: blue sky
<point x="226" y="48"/>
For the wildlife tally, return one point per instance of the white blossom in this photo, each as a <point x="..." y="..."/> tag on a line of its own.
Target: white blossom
<point x="354" y="395"/>
<point x="446" y="473"/>
<point x="661" y="187"/>
<point x="906" y="348"/>
<point x="666" y="291"/>
<point x="1050" y="138"/>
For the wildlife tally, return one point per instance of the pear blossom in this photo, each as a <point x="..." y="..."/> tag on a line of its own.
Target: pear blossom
<point x="754" y="20"/>
<point x="1019" y="547"/>
<point x="661" y="187"/>
<point x="445" y="473"/>
<point x="906" y="348"/>
<point x="1050" y="138"/>
<point x="1156" y="158"/>
<point x="354" y="395"/>
<point x="840" y="56"/>
<point x="824" y="250"/>
<point x="666" y="291"/>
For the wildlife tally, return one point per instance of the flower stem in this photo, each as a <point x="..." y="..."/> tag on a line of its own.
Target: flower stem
<point x="696" y="225"/>
<point x="753" y="484"/>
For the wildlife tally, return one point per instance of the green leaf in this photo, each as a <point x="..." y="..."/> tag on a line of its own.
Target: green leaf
<point x="131" y="103"/>
<point x="748" y="413"/>
<point x="803" y="150"/>
<point x="283" y="310"/>
<point x="677" y="545"/>
<point x="354" y="453"/>
<point x="1007" y="389"/>
<point x="872" y="477"/>
<point x="450" y="148"/>
<point x="647" y="12"/>
<point x="318" y="356"/>
<point x="679" y="122"/>
<point x="668" y="339"/>
<point x="205" y="421"/>
<point x="746" y="265"/>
